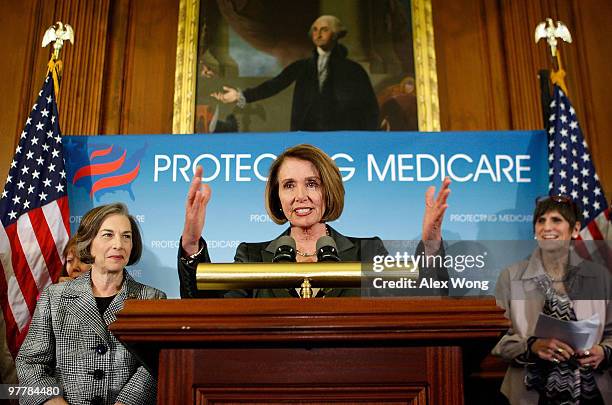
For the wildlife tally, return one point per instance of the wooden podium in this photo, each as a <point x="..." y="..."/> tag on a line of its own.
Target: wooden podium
<point x="316" y="351"/>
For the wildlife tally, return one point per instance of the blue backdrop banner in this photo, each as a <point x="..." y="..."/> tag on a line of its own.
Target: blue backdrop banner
<point x="496" y="177"/>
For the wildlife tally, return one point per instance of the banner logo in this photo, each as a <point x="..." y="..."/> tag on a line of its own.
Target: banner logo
<point x="107" y="169"/>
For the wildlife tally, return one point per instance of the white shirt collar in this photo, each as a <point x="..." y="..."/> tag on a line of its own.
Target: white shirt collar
<point x="321" y="52"/>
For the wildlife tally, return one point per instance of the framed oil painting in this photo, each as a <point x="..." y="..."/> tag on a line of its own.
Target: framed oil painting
<point x="253" y="45"/>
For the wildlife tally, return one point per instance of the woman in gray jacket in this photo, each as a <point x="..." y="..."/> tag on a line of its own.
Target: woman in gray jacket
<point x="68" y="344"/>
<point x="557" y="282"/>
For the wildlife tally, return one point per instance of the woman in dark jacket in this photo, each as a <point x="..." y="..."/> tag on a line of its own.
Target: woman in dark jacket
<point x="305" y="189"/>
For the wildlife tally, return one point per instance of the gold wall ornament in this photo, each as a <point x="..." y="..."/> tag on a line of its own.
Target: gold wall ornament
<point x="428" y="106"/>
<point x="185" y="74"/>
<point x="547" y="29"/>
<point x="428" y="111"/>
<point x="58" y="33"/>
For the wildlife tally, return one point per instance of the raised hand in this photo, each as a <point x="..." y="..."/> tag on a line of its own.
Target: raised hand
<point x="207" y="72"/>
<point x="198" y="197"/>
<point x="435" y="207"/>
<point x="229" y="95"/>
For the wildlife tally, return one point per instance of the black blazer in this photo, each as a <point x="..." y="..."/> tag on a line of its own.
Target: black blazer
<point x="346" y="102"/>
<point x="350" y="249"/>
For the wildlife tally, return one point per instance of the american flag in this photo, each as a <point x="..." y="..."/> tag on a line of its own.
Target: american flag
<point x="571" y="170"/>
<point x="34" y="214"/>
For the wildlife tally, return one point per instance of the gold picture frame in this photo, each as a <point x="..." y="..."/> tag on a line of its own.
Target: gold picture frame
<point x="183" y="120"/>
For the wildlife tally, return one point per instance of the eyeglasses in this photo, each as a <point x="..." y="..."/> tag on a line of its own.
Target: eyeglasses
<point x="563" y="199"/>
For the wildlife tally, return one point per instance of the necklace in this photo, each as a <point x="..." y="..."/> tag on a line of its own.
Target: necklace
<point x="304" y="254"/>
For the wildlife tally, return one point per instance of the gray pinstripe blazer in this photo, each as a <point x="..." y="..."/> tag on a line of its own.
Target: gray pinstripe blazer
<point x="69" y="345"/>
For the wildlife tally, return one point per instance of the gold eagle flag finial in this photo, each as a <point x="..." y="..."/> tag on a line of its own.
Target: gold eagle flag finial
<point x="57" y="33"/>
<point x="547" y="29"/>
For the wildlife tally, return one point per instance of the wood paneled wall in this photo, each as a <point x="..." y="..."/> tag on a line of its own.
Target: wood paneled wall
<point x="119" y="75"/>
<point x="488" y="64"/>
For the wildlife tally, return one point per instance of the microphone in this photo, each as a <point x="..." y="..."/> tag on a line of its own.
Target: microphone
<point x="285" y="250"/>
<point x="327" y="250"/>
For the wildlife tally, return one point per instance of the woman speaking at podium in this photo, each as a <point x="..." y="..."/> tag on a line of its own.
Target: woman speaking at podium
<point x="304" y="188"/>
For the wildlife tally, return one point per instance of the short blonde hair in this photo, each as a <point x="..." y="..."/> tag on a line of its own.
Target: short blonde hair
<point x="331" y="182"/>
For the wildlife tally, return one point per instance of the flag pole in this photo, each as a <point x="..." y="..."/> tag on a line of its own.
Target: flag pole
<point x="571" y="169"/>
<point x="545" y="94"/>
<point x="34" y="212"/>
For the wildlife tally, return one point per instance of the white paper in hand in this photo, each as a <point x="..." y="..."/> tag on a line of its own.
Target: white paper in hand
<point x="580" y="335"/>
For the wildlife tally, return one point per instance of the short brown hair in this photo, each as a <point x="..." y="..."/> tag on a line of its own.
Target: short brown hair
<point x="568" y="209"/>
<point x="90" y="225"/>
<point x="331" y="182"/>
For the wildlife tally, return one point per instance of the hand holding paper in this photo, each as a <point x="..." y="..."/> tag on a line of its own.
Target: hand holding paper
<point x="580" y="335"/>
